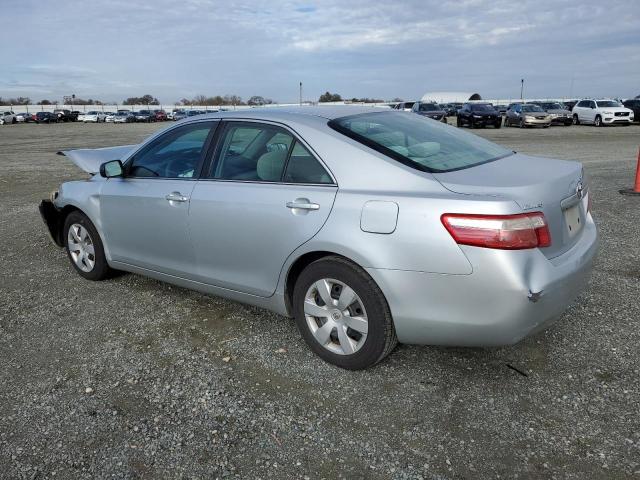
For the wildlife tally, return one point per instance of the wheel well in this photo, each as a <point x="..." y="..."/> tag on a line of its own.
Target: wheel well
<point x="296" y="269"/>
<point x="64" y="213"/>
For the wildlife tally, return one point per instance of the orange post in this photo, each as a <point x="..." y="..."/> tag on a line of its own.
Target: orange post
<point x="636" y="187"/>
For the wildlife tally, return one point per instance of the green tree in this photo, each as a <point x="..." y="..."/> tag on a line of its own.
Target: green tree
<point x="330" y="97"/>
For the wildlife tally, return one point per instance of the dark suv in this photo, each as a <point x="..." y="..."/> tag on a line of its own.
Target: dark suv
<point x="431" y="110"/>
<point x="478" y="115"/>
<point x="633" y="104"/>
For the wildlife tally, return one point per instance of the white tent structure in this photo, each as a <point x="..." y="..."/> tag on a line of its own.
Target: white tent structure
<point x="450" y="97"/>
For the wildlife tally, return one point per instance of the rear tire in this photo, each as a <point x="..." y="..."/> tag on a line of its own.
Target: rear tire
<point x="330" y="335"/>
<point x="497" y="125"/>
<point x="84" y="247"/>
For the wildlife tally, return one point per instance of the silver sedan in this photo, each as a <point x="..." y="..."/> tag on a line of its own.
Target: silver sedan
<point x="369" y="226"/>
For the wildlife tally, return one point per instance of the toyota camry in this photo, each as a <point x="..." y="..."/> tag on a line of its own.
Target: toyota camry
<point x="370" y="227"/>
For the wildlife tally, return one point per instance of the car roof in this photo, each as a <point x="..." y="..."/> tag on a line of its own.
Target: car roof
<point x="286" y="113"/>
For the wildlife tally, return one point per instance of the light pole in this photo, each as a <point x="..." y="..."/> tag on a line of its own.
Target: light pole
<point x="300" y="93"/>
<point x="521" y="88"/>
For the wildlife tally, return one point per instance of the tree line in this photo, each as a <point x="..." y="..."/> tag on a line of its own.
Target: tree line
<point x="203" y="100"/>
<point x="336" y="97"/>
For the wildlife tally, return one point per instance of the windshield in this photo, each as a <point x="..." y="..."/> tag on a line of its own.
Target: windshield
<point x="419" y="142"/>
<point x="608" y="103"/>
<point x="532" y="108"/>
<point x="429" y="107"/>
<point x="482" y="108"/>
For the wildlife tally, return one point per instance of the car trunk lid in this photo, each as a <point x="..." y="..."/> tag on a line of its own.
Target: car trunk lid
<point x="555" y="187"/>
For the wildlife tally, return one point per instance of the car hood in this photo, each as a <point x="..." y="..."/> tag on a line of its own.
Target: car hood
<point x="432" y="112"/>
<point x="90" y="159"/>
<point x="616" y="109"/>
<point x="485" y="114"/>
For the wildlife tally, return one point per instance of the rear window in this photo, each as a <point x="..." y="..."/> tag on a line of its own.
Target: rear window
<point x="419" y="142"/>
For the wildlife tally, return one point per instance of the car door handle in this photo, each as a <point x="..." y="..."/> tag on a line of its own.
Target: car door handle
<point x="303" y="204"/>
<point x="176" y="197"/>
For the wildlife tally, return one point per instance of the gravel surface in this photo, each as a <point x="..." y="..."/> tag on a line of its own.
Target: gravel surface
<point x="133" y="378"/>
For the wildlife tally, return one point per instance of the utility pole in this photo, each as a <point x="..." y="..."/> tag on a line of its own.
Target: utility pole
<point x="300" y="93"/>
<point x="521" y="88"/>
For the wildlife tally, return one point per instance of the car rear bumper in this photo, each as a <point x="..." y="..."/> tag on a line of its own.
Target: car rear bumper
<point x="509" y="295"/>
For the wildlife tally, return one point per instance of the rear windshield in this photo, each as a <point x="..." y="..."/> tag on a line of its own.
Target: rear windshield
<point x="419" y="142"/>
<point x="429" y="107"/>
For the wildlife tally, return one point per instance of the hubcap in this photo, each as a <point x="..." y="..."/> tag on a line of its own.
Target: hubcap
<point x="81" y="247"/>
<point x="336" y="316"/>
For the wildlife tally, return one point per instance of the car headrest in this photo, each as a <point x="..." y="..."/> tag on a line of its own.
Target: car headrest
<point x="270" y="165"/>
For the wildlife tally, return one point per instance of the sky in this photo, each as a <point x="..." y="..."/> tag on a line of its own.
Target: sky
<point x="111" y="50"/>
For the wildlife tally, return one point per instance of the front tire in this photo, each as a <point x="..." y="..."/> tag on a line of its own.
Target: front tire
<point x="576" y="120"/>
<point x="598" y="121"/>
<point x="342" y="314"/>
<point x="84" y="247"/>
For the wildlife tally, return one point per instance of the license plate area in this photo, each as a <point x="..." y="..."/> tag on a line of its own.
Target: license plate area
<point x="572" y="220"/>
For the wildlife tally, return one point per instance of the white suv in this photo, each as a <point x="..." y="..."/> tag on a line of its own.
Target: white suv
<point x="7" y="117"/>
<point x="601" y="112"/>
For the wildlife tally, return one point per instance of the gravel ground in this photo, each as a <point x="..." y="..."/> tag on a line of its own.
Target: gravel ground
<point x="132" y="378"/>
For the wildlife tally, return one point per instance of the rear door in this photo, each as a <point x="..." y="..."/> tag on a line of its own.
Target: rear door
<point x="264" y="194"/>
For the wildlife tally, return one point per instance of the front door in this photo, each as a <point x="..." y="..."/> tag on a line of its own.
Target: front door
<point x="264" y="195"/>
<point x="145" y="213"/>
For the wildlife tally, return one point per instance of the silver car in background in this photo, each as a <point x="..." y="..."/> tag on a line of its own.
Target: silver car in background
<point x="368" y="226"/>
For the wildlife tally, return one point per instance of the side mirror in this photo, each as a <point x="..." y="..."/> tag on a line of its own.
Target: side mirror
<point x="111" y="169"/>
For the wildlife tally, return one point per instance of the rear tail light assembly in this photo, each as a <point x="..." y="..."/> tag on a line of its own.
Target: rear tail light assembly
<point x="504" y="232"/>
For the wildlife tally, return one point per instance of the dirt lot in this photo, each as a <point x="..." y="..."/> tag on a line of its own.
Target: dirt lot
<point x="126" y="378"/>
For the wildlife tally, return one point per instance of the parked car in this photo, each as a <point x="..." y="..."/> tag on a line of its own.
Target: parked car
<point x="124" y="116"/>
<point x="569" y="104"/>
<point x="559" y="114"/>
<point x="46" y="117"/>
<point x="110" y="118"/>
<point x="74" y="115"/>
<point x="431" y="110"/>
<point x="478" y="115"/>
<point x="362" y="223"/>
<point x="527" y="115"/>
<point x="501" y="108"/>
<point x="450" y="108"/>
<point x="633" y="104"/>
<point x="25" y="117"/>
<point x="601" y="113"/>
<point x="145" y="116"/>
<point x="160" y="115"/>
<point x="8" y="117"/>
<point x="406" y="106"/>
<point x="80" y="117"/>
<point x="179" y="115"/>
<point x="94" y="116"/>
<point x="63" y="115"/>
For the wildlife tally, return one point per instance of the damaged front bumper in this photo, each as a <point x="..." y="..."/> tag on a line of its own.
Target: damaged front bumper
<point x="53" y="219"/>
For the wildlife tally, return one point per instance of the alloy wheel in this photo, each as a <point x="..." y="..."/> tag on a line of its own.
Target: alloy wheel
<point x="336" y="316"/>
<point x="81" y="247"/>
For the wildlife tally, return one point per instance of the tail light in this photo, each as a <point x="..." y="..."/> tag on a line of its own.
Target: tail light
<point x="505" y="232"/>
